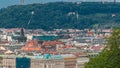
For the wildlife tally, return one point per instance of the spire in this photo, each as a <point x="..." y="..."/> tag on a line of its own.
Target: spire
<point x="22" y="32"/>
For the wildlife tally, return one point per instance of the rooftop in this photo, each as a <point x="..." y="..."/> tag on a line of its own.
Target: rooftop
<point x="41" y="57"/>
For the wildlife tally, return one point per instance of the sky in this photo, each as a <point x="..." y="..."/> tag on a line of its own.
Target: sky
<point x="5" y="3"/>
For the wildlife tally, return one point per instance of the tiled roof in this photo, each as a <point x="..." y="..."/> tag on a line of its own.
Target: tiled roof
<point x="51" y="43"/>
<point x="31" y="46"/>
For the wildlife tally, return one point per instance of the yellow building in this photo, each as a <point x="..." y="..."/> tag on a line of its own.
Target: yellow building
<point x="70" y="61"/>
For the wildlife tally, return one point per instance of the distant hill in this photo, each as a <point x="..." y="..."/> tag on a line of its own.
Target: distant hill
<point x="5" y="3"/>
<point x="61" y="15"/>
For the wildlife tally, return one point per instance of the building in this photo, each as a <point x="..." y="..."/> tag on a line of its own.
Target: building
<point x="42" y="61"/>
<point x="1" y="61"/>
<point x="31" y="46"/>
<point x="81" y="61"/>
<point x="51" y="45"/>
<point x="35" y="63"/>
<point x="9" y="62"/>
<point x="19" y="36"/>
<point x="70" y="62"/>
<point x="45" y="38"/>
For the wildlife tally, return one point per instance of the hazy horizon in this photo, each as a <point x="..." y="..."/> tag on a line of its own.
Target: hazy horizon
<point x="5" y="3"/>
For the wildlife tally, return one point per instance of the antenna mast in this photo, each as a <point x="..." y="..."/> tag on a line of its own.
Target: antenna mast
<point x="114" y="1"/>
<point x="22" y="2"/>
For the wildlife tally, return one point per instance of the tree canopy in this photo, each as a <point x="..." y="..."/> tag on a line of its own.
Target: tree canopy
<point x="61" y="15"/>
<point x="110" y="57"/>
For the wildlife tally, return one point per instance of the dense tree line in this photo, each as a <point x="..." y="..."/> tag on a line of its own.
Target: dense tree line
<point x="58" y="15"/>
<point x="109" y="58"/>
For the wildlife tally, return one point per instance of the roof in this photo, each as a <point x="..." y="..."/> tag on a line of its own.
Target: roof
<point x="8" y="52"/>
<point x="46" y="38"/>
<point x="44" y="57"/>
<point x="2" y="48"/>
<point x="31" y="46"/>
<point x="97" y="48"/>
<point x="51" y="43"/>
<point x="49" y="56"/>
<point x="68" y="56"/>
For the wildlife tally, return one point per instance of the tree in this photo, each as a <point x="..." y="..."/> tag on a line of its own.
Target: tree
<point x="110" y="57"/>
<point x="61" y="15"/>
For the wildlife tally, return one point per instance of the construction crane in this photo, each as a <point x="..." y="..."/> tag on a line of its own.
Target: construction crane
<point x="22" y="2"/>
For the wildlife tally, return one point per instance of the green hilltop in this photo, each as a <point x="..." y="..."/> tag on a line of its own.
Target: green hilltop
<point x="63" y="15"/>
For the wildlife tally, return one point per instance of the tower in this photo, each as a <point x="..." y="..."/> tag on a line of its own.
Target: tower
<point x="114" y="1"/>
<point x="22" y="32"/>
<point x="22" y="2"/>
<point x="22" y="37"/>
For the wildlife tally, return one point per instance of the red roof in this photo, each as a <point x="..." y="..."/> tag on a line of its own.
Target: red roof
<point x="51" y="43"/>
<point x="67" y="46"/>
<point x="5" y="42"/>
<point x="11" y="30"/>
<point x="90" y="33"/>
<point x="97" y="48"/>
<point x="31" y="46"/>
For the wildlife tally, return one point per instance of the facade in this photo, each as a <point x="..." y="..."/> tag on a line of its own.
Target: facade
<point x="1" y="61"/>
<point x="9" y="62"/>
<point x="35" y="63"/>
<point x="70" y="62"/>
<point x="81" y="61"/>
<point x="46" y="61"/>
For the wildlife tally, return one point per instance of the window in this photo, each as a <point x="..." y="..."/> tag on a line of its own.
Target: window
<point x="44" y="65"/>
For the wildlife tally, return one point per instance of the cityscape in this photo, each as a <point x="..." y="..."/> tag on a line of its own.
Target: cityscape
<point x="60" y="34"/>
<point x="66" y="48"/>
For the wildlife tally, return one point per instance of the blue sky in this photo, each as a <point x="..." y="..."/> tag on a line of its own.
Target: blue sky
<point x="5" y="3"/>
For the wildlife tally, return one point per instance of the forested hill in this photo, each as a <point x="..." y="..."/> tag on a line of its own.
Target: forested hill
<point x="61" y="15"/>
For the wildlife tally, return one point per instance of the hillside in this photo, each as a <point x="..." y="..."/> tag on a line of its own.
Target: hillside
<point x="61" y="15"/>
<point x="5" y="3"/>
